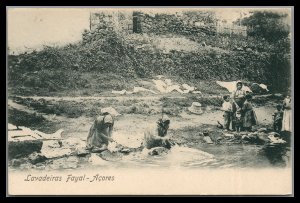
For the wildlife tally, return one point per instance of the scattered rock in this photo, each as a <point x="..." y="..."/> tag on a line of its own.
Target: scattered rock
<point x="251" y="137"/>
<point x="243" y="133"/>
<point x="125" y="151"/>
<point x="72" y="161"/>
<point x="256" y="88"/>
<point x="26" y="165"/>
<point x="238" y="135"/>
<point x="262" y="130"/>
<point x="158" y="151"/>
<point x="253" y="134"/>
<point x="82" y="152"/>
<point x="17" y="162"/>
<point x="275" y="137"/>
<point x="264" y="87"/>
<point x="53" y="149"/>
<point x="219" y="140"/>
<point x="263" y="136"/>
<point x="35" y="158"/>
<point x="95" y="159"/>
<point x="73" y="143"/>
<point x="275" y="134"/>
<point x="110" y="156"/>
<point x="55" y="153"/>
<point x="228" y="135"/>
<point x="40" y="166"/>
<point x="65" y="163"/>
<point x="276" y="140"/>
<point x="207" y="140"/>
<point x="278" y="95"/>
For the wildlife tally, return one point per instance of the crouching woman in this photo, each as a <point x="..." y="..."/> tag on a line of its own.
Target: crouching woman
<point x="100" y="133"/>
<point x="158" y="137"/>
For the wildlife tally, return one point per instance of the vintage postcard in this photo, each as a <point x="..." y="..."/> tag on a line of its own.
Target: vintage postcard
<point x="150" y="101"/>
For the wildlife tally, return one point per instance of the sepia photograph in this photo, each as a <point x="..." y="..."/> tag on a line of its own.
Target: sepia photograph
<point x="150" y="101"/>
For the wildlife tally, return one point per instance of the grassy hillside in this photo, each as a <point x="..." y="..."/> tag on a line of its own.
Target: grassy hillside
<point x="104" y="61"/>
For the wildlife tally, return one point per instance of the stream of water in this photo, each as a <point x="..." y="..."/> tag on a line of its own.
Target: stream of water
<point x="208" y="156"/>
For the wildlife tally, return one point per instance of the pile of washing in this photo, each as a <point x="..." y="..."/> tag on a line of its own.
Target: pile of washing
<point x="254" y="87"/>
<point x="166" y="86"/>
<point x="162" y="86"/>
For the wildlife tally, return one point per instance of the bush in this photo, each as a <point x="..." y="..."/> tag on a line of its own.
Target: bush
<point x="104" y="53"/>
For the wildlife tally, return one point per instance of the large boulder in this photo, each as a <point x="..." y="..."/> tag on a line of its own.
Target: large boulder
<point x="23" y="141"/>
<point x="82" y="152"/>
<point x="65" y="147"/>
<point x="125" y="150"/>
<point x="275" y="138"/>
<point x="275" y="134"/>
<point x="17" y="162"/>
<point x="263" y="137"/>
<point x="262" y="130"/>
<point x="35" y="158"/>
<point x="73" y="143"/>
<point x="18" y="149"/>
<point x="158" y="151"/>
<point x="207" y="139"/>
<point x="53" y="149"/>
<point x="70" y="162"/>
<point x="111" y="156"/>
<point x="250" y="138"/>
<point x="258" y="88"/>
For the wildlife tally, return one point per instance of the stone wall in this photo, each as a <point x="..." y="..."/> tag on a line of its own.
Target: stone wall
<point x="181" y="23"/>
<point x="178" y="23"/>
<point x="114" y="20"/>
<point x="159" y="23"/>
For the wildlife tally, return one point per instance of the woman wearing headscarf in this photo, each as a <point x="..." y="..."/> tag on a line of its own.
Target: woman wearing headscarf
<point x="287" y="114"/>
<point x="158" y="137"/>
<point x="100" y="132"/>
<point x="249" y="117"/>
<point x="238" y="99"/>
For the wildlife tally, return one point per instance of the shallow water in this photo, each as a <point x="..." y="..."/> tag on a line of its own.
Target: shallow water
<point x="202" y="156"/>
<point x="207" y="156"/>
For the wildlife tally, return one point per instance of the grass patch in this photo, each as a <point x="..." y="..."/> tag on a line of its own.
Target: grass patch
<point x="213" y="101"/>
<point x="31" y="120"/>
<point x="191" y="135"/>
<point x="187" y="101"/>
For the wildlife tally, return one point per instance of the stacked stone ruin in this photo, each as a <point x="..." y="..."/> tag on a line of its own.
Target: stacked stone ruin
<point x="184" y="23"/>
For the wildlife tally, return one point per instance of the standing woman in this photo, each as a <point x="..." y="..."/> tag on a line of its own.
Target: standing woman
<point x="249" y="116"/>
<point x="287" y="114"/>
<point x="238" y="98"/>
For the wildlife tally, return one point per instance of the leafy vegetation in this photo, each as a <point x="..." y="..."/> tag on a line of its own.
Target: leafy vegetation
<point x="104" y="61"/>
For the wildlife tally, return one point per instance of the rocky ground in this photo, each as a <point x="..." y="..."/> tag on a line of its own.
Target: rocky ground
<point x="74" y="116"/>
